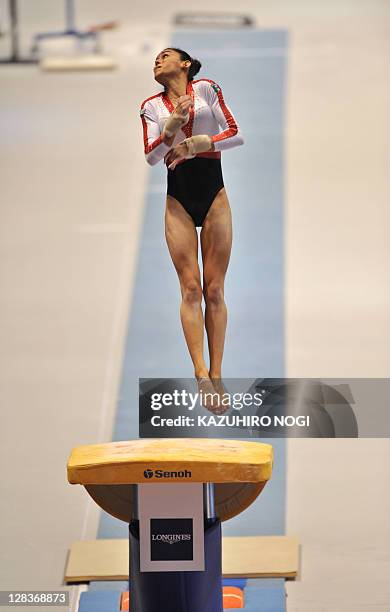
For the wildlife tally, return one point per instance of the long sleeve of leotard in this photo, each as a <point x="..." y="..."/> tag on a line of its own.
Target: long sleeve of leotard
<point x="155" y="148"/>
<point x="230" y="135"/>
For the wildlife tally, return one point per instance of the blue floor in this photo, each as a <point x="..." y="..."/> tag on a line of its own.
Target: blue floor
<point x="258" y="598"/>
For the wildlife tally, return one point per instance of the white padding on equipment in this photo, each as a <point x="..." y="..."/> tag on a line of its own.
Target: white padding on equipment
<point x="78" y="62"/>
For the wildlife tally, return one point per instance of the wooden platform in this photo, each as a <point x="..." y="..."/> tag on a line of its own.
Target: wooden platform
<point x="249" y="557"/>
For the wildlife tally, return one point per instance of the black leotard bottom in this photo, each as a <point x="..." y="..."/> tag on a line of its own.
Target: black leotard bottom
<point x="195" y="183"/>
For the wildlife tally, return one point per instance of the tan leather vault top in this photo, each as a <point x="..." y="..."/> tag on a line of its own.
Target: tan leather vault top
<point x="137" y="461"/>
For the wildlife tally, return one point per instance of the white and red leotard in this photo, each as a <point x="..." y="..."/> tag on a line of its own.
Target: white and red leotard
<point x="209" y="115"/>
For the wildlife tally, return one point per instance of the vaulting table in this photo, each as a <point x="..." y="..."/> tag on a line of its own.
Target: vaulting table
<point x="174" y="493"/>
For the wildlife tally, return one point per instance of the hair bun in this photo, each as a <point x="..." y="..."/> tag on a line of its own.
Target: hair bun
<point x="194" y="68"/>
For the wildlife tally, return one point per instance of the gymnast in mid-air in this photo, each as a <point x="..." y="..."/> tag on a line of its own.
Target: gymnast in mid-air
<point x="188" y="124"/>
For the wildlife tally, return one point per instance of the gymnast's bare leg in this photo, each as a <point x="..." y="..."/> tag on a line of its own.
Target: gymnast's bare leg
<point x="182" y="240"/>
<point x="216" y="244"/>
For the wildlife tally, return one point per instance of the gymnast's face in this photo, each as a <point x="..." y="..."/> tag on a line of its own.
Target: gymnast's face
<point x="168" y="64"/>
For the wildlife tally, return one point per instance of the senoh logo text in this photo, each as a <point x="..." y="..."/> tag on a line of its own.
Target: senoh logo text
<point x="163" y="474"/>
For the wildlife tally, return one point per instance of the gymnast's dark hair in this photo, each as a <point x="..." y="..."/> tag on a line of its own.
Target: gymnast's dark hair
<point x="186" y="57"/>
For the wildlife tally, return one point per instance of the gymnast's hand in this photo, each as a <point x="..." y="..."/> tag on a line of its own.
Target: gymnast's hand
<point x="187" y="149"/>
<point x="183" y="106"/>
<point x="176" y="154"/>
<point x="177" y="119"/>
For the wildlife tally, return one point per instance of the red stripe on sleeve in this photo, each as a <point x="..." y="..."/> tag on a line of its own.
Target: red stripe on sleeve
<point x="233" y="129"/>
<point x="155" y="143"/>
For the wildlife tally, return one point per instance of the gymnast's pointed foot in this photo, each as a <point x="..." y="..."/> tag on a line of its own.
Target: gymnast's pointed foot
<point x="209" y="398"/>
<point x="223" y="395"/>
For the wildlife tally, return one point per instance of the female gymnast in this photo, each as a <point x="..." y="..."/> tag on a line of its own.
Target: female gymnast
<point x="188" y="125"/>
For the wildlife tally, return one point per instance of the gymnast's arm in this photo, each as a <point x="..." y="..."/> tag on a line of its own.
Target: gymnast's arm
<point x="230" y="135"/>
<point x="156" y="145"/>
